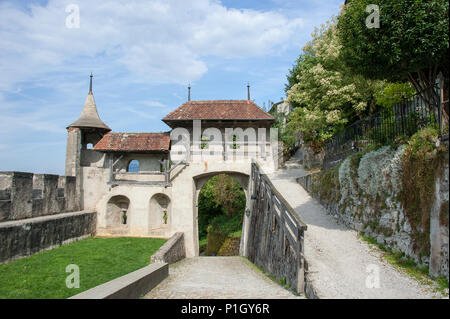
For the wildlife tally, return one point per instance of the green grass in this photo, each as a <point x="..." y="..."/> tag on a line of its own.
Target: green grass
<point x="407" y="265"/>
<point x="43" y="275"/>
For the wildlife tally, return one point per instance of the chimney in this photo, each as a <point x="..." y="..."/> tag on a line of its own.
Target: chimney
<point x="248" y="91"/>
<point x="189" y="92"/>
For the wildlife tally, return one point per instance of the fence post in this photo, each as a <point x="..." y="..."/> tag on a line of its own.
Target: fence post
<point x="301" y="263"/>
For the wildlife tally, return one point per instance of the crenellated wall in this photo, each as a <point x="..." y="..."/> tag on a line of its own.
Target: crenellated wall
<point x="27" y="195"/>
<point x="39" y="212"/>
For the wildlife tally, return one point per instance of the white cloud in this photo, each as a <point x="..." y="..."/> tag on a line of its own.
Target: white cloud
<point x="153" y="104"/>
<point x="159" y="41"/>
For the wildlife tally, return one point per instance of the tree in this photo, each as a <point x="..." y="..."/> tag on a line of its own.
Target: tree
<point x="394" y="93"/>
<point x="220" y="196"/>
<point x="411" y="42"/>
<point x="327" y="94"/>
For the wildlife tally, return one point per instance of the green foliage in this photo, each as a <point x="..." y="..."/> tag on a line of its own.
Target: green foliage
<point x="220" y="212"/>
<point x="43" y="275"/>
<point x="393" y="93"/>
<point x="208" y="208"/>
<point x="295" y="72"/>
<point x="230" y="247"/>
<point x="411" y="42"/>
<point x="326" y="95"/>
<point x="327" y="187"/>
<point x="215" y="240"/>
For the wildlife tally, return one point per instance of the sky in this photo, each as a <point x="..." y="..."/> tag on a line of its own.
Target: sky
<point x="143" y="55"/>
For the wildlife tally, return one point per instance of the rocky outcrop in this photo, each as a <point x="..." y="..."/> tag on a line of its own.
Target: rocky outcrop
<point x="365" y="193"/>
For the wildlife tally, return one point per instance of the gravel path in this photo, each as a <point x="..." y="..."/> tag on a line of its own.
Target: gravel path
<point x="217" y="278"/>
<point x="340" y="263"/>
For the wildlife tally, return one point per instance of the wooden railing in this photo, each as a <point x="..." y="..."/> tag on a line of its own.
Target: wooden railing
<point x="276" y="232"/>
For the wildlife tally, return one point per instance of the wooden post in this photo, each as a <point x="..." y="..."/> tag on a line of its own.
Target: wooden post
<point x="111" y="172"/>
<point x="301" y="263"/>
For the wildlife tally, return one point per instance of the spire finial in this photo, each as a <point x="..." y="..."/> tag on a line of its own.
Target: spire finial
<point x="189" y="91"/>
<point x="248" y="91"/>
<point x="90" y="84"/>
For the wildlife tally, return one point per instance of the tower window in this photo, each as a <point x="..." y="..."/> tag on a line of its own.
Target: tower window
<point x="133" y="166"/>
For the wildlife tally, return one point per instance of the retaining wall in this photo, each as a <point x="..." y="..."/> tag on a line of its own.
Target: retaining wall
<point x="172" y="251"/>
<point x="25" y="237"/>
<point x="27" y="195"/>
<point x="365" y="198"/>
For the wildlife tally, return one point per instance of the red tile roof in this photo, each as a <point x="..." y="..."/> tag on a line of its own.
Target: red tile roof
<point x="134" y="142"/>
<point x="219" y="110"/>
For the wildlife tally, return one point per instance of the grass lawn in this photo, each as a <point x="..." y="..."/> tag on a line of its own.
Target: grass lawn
<point x="43" y="275"/>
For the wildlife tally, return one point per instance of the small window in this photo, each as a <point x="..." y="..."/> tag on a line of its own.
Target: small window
<point x="133" y="166"/>
<point x="235" y="144"/>
<point x="90" y="146"/>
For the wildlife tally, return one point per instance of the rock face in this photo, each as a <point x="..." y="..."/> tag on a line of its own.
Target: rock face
<point x="312" y="159"/>
<point x="364" y="195"/>
<point x="230" y="247"/>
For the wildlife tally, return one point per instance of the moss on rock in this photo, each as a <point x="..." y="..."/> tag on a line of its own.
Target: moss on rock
<point x="230" y="247"/>
<point x="422" y="163"/>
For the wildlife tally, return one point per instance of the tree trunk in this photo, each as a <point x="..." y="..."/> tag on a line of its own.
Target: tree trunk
<point x="424" y="82"/>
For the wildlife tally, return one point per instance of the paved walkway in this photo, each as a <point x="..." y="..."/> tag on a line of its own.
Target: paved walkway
<point x="339" y="262"/>
<point x="217" y="278"/>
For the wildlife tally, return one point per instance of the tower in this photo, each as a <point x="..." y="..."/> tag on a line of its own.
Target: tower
<point x="88" y="129"/>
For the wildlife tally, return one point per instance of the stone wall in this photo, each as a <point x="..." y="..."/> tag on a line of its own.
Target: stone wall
<point x="38" y="212"/>
<point x="364" y="195"/>
<point x="27" y="195"/>
<point x="311" y="159"/>
<point x="172" y="251"/>
<point x="25" y="237"/>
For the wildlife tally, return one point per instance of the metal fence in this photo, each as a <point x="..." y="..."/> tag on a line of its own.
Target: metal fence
<point x="400" y="120"/>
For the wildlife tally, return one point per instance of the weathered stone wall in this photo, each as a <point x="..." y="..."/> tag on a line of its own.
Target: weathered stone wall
<point x="365" y="197"/>
<point x="172" y="251"/>
<point x="273" y="234"/>
<point x="27" y="195"/>
<point x="20" y="238"/>
<point x="312" y="159"/>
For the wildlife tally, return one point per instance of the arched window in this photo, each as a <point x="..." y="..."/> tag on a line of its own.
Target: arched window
<point x="133" y="166"/>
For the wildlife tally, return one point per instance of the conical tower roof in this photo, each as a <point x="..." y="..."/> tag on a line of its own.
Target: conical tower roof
<point x="89" y="116"/>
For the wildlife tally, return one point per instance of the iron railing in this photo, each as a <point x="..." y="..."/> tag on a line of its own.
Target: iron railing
<point x="401" y="120"/>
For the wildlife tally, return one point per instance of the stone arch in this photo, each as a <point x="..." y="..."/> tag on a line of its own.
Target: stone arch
<point x="160" y="211"/>
<point x="200" y="180"/>
<point x="116" y="209"/>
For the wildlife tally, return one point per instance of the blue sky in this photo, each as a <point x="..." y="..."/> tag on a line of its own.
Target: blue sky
<point x="142" y="54"/>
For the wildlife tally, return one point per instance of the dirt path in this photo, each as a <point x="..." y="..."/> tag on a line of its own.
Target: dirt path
<point x="217" y="278"/>
<point x="340" y="264"/>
